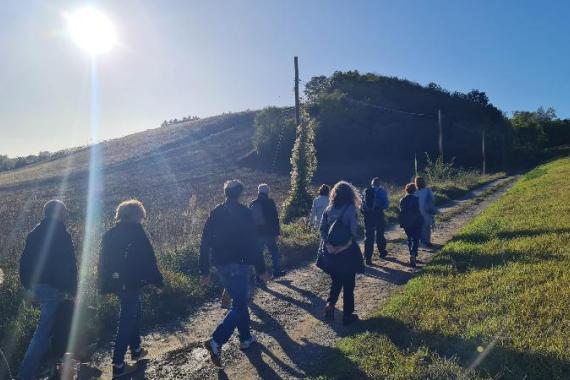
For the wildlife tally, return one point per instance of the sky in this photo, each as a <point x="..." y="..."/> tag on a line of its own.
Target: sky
<point x="179" y="58"/>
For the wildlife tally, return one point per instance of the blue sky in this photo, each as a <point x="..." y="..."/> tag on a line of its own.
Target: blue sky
<point x="178" y="58"/>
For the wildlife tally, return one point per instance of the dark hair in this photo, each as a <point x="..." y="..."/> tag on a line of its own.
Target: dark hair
<point x="420" y="182"/>
<point x="324" y="190"/>
<point x="410" y="188"/>
<point x="375" y="180"/>
<point x="233" y="189"/>
<point x="342" y="194"/>
<point x="54" y="209"/>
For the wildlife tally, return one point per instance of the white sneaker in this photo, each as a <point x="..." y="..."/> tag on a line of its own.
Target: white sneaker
<point x="245" y="344"/>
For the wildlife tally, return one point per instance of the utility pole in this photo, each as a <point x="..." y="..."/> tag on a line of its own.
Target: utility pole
<point x="484" y="168"/>
<point x="440" y="125"/>
<point x="297" y="110"/>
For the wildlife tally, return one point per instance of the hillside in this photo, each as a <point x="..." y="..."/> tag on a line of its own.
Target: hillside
<point x="163" y="167"/>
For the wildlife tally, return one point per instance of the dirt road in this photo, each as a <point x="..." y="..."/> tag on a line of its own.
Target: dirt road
<point x="287" y="314"/>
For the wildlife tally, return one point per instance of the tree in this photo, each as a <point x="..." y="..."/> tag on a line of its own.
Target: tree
<point x="304" y="165"/>
<point x="478" y="97"/>
<point x="316" y="86"/>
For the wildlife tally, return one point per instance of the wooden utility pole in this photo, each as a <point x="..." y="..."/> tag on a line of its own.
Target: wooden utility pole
<point x="440" y="125"/>
<point x="484" y="167"/>
<point x="297" y="110"/>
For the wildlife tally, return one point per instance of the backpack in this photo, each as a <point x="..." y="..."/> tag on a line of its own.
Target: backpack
<point x="409" y="212"/>
<point x="258" y="214"/>
<point x="339" y="234"/>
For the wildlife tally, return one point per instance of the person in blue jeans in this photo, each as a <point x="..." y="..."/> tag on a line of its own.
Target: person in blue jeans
<point x="48" y="271"/>
<point x="127" y="263"/>
<point x="266" y="220"/>
<point x="229" y="241"/>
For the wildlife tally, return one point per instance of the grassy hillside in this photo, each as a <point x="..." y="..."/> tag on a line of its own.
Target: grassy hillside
<point x="493" y="304"/>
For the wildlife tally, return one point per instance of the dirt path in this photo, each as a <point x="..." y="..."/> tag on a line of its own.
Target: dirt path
<point x="287" y="314"/>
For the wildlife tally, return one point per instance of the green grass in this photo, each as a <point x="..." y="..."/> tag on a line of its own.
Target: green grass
<point x="496" y="298"/>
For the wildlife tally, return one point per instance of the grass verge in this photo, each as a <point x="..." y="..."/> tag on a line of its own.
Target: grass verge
<point x="493" y="304"/>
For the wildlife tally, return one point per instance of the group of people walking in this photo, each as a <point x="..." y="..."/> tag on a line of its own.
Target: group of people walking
<point x="234" y="239"/>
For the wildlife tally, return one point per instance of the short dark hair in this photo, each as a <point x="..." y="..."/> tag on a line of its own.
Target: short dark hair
<point x="324" y="190"/>
<point x="233" y="188"/>
<point x="54" y="209"/>
<point x="410" y="188"/>
<point x="375" y="180"/>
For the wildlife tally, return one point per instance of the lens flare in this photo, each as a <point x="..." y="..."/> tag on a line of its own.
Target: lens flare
<point x="91" y="30"/>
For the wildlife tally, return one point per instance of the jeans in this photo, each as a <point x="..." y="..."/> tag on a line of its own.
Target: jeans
<point x="49" y="299"/>
<point x="374" y="226"/>
<point x="235" y="279"/>
<point x="128" y="331"/>
<point x="271" y="243"/>
<point x="413" y="235"/>
<point x="346" y="282"/>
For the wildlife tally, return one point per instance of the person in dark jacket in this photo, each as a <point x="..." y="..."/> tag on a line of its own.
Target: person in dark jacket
<point x="126" y="264"/>
<point x="229" y="241"/>
<point x="376" y="201"/>
<point x="266" y="219"/>
<point x="345" y="261"/>
<point x="48" y="270"/>
<point x="411" y="221"/>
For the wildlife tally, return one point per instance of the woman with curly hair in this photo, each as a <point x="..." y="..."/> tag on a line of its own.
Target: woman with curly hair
<point x="339" y="245"/>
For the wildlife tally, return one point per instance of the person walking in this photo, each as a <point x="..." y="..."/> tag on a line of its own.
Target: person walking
<point x="127" y="263"/>
<point x="340" y="248"/>
<point x="229" y="240"/>
<point x="320" y="203"/>
<point x="427" y="209"/>
<point x="375" y="202"/>
<point x="266" y="219"/>
<point x="48" y="270"/>
<point x="411" y="220"/>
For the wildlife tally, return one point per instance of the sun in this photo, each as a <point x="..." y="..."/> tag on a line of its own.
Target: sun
<point x="91" y="30"/>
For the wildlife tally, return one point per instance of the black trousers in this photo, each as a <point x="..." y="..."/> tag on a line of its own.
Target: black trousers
<point x="346" y="283"/>
<point x="374" y="226"/>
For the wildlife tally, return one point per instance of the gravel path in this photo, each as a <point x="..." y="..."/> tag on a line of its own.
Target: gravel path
<point x="287" y="314"/>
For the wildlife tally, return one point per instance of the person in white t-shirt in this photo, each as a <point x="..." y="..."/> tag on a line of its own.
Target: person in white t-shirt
<point x="427" y="209"/>
<point x="320" y="203"/>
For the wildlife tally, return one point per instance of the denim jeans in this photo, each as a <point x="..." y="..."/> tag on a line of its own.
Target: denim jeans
<point x="271" y="243"/>
<point x="235" y="279"/>
<point x="128" y="331"/>
<point x="413" y="235"/>
<point x="49" y="299"/>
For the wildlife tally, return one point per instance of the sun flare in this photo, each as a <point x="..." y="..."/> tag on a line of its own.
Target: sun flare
<point x="91" y="30"/>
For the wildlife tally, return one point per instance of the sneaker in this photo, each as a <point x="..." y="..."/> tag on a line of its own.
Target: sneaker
<point x="329" y="313"/>
<point x="215" y="351"/>
<point x="245" y="344"/>
<point x="123" y="370"/>
<point x="350" y="319"/>
<point x="279" y="273"/>
<point x="412" y="261"/>
<point x="369" y="262"/>
<point x="138" y="355"/>
<point x="259" y="282"/>
<point x="383" y="254"/>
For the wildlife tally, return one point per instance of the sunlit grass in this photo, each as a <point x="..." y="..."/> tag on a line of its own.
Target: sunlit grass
<point x="502" y="283"/>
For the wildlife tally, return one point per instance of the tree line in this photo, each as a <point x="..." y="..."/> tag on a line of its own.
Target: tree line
<point x="373" y="117"/>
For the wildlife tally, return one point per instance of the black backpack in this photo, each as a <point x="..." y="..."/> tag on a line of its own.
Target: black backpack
<point x="339" y="233"/>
